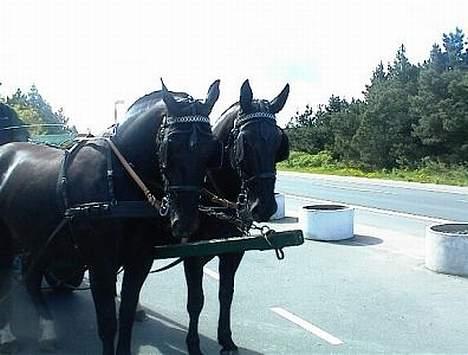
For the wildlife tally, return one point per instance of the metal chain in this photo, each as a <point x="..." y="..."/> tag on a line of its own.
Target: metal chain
<point x="242" y="220"/>
<point x="266" y="232"/>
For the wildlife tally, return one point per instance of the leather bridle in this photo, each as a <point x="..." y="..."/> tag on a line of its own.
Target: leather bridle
<point x="173" y="124"/>
<point x="240" y="123"/>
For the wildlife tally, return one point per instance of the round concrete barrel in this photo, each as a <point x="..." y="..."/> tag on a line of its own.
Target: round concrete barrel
<point x="281" y="206"/>
<point x="327" y="222"/>
<point x="446" y="248"/>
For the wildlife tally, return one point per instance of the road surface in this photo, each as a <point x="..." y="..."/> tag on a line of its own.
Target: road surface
<point x="366" y="295"/>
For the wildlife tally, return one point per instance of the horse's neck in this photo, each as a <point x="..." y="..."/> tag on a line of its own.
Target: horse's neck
<point x="226" y="181"/>
<point x="137" y="143"/>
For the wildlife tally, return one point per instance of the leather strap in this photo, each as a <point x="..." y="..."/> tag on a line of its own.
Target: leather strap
<point x="149" y="196"/>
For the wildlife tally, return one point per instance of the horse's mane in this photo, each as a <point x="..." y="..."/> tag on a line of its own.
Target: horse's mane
<point x="227" y="115"/>
<point x="150" y="99"/>
<point x="230" y="107"/>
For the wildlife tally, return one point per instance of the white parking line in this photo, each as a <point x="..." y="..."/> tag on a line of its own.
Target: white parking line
<point x="211" y="273"/>
<point x="307" y="326"/>
<point x="376" y="210"/>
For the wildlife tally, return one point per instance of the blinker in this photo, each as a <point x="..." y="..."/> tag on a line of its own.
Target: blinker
<point x="216" y="161"/>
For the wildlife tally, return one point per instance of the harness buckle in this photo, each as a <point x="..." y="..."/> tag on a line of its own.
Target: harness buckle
<point x="242" y="200"/>
<point x="164" y="209"/>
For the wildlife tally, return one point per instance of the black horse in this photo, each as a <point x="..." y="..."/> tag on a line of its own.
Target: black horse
<point x="12" y="129"/>
<point x="253" y="144"/>
<point x="167" y="139"/>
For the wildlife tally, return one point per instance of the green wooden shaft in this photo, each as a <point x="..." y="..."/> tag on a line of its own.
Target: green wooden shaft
<point x="230" y="245"/>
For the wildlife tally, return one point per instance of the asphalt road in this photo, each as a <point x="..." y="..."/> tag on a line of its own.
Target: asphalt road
<point x="370" y="294"/>
<point x="450" y="203"/>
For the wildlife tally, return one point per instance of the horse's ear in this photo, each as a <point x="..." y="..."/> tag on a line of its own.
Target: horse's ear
<point x="163" y="86"/>
<point x="212" y="96"/>
<point x="278" y="102"/>
<point x="283" y="150"/>
<point x="168" y="99"/>
<point x="246" y="96"/>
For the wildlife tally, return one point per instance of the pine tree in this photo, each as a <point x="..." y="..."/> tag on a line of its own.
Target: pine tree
<point x="384" y="138"/>
<point x="441" y="106"/>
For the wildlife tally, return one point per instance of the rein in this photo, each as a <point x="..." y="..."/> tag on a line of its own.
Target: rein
<point x="149" y="196"/>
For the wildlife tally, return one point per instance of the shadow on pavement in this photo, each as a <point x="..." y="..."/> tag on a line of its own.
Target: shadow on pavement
<point x="77" y="330"/>
<point x="360" y="241"/>
<point x="168" y="337"/>
<point x="286" y="220"/>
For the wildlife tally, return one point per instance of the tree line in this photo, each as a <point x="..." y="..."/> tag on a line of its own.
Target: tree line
<point x="410" y="114"/>
<point x="34" y="110"/>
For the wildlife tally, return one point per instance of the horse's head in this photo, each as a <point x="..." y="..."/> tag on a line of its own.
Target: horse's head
<point x="257" y="144"/>
<point x="11" y="127"/>
<point x="187" y="149"/>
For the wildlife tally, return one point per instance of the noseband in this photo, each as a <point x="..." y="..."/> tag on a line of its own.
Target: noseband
<point x="169" y="189"/>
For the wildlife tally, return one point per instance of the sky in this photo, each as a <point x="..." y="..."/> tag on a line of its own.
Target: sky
<point x="84" y="55"/>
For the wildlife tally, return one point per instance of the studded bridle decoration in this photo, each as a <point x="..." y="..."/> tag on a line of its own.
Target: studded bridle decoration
<point x="187" y="119"/>
<point x="251" y="116"/>
<point x="170" y="189"/>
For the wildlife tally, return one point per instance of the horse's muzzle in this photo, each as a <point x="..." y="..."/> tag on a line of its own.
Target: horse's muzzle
<point x="262" y="211"/>
<point x="183" y="227"/>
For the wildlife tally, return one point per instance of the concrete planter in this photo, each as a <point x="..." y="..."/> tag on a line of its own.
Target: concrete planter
<point x="279" y="214"/>
<point x="447" y="248"/>
<point x="327" y="222"/>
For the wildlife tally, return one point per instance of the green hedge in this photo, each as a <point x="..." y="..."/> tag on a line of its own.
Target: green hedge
<point x="428" y="171"/>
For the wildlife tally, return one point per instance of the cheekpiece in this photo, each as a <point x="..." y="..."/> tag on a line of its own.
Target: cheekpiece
<point x="188" y="119"/>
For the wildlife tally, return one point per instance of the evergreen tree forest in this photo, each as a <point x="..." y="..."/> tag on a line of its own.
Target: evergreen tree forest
<point x="410" y="115"/>
<point x="34" y="110"/>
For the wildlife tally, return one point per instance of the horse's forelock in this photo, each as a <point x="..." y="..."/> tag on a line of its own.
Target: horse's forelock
<point x="260" y="106"/>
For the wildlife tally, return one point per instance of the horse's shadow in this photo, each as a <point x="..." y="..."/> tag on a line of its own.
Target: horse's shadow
<point x="77" y="330"/>
<point x="168" y="337"/>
